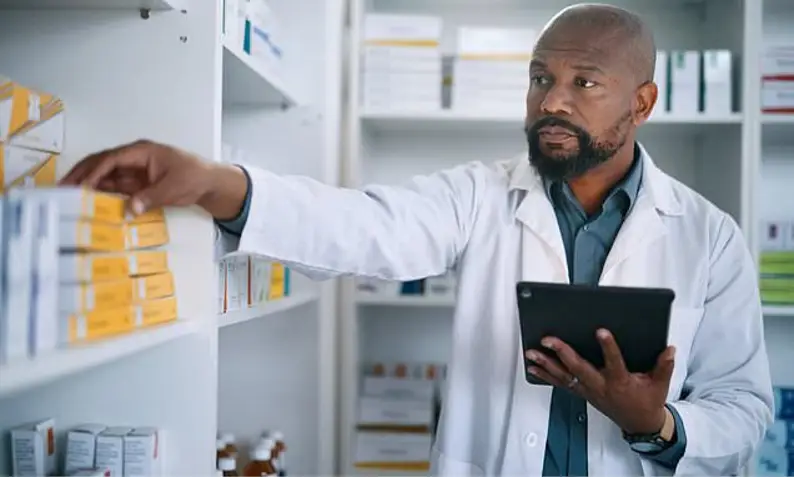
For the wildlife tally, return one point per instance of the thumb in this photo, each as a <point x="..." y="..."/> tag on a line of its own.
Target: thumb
<point x="664" y="365"/>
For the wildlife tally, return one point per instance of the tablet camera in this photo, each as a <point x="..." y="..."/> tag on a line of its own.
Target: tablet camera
<point x="526" y="293"/>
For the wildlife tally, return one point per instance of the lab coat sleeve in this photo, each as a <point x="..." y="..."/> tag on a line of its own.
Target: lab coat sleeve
<point x="730" y="400"/>
<point x="388" y="232"/>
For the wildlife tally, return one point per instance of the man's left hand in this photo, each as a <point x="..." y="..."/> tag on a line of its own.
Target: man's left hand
<point x="634" y="401"/>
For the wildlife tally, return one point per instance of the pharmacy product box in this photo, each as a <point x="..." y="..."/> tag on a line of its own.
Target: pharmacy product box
<point x="33" y="449"/>
<point x="486" y="43"/>
<point x="145" y="235"/>
<point x="777" y="96"/>
<point x="237" y="282"/>
<point x="402" y="84"/>
<point x="84" y="204"/>
<point x="442" y="286"/>
<point x="89" y="268"/>
<point x="279" y="281"/>
<point x="86" y="297"/>
<point x="773" y="235"/>
<point x="89" y="236"/>
<point x="717" y="82"/>
<point x="684" y="82"/>
<point x="397" y="388"/>
<point x="375" y="449"/>
<point x="21" y="216"/>
<point x="390" y="412"/>
<point x="402" y="30"/>
<point x="45" y="278"/>
<point x="260" y="280"/>
<point x="661" y="76"/>
<point x="233" y="22"/>
<point x="427" y="103"/>
<point x="97" y="325"/>
<point x="777" y="61"/>
<point x="93" y="472"/>
<point x="142" y="454"/>
<point x="784" y="403"/>
<point x="110" y="450"/>
<point x="781" y="434"/>
<point x="156" y="312"/>
<point x="30" y="119"/>
<point x="222" y="286"/>
<point x="262" y="35"/>
<point x="81" y="447"/>
<point x="26" y="167"/>
<point x="392" y="59"/>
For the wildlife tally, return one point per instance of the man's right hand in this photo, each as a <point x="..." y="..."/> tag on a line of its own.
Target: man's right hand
<point x="156" y="175"/>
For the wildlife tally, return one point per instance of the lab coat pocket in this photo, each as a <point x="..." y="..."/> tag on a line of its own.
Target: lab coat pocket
<point x="447" y="467"/>
<point x="684" y="323"/>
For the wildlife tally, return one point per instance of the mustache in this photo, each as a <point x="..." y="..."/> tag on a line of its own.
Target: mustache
<point x="553" y="121"/>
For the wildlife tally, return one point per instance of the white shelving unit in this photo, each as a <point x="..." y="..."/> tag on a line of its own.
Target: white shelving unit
<point x="159" y="69"/>
<point x="717" y="156"/>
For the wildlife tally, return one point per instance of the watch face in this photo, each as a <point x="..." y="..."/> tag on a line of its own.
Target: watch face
<point x="645" y="447"/>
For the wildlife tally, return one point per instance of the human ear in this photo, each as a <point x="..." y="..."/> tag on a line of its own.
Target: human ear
<point x="644" y="101"/>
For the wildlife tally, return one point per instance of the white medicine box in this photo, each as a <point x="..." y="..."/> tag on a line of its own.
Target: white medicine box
<point x="684" y="82"/>
<point x="717" y="82"/>
<point x="33" y="449"/>
<point x="110" y="450"/>
<point x="81" y="447"/>
<point x="142" y="453"/>
<point x="661" y="76"/>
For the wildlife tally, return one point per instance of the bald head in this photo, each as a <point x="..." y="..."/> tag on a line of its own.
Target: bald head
<point x="609" y="30"/>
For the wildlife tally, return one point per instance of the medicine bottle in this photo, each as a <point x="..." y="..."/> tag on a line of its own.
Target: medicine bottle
<point x="260" y="464"/>
<point x="230" y="448"/>
<point x="280" y="450"/>
<point x="220" y="451"/>
<point x="228" y="466"/>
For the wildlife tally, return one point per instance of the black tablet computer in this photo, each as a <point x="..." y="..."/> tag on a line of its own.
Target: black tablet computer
<point x="638" y="318"/>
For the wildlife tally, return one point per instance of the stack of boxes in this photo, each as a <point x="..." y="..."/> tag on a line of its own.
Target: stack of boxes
<point x="402" y="68"/>
<point x="78" y="268"/>
<point x="249" y="281"/>
<point x="251" y="26"/>
<point x="491" y="70"/>
<point x="776" y="454"/>
<point x="777" y="263"/>
<point x="31" y="135"/>
<point x="398" y="414"/>
<point x="777" y="73"/>
<point x="694" y="83"/>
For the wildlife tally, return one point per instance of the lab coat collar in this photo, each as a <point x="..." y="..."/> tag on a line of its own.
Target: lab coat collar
<point x="655" y="183"/>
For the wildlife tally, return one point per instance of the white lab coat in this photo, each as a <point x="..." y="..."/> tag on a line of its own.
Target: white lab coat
<point x="496" y="223"/>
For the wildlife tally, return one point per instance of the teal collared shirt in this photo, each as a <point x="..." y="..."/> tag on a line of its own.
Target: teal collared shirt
<point x="587" y="240"/>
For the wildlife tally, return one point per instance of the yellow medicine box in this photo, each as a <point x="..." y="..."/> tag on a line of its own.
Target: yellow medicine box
<point x="87" y="297"/>
<point x="156" y="312"/>
<point x="30" y="119"/>
<point x="152" y="234"/>
<point x="107" y="323"/>
<point x="88" y="268"/>
<point x="85" y="204"/>
<point x="84" y="235"/>
<point x="26" y="167"/>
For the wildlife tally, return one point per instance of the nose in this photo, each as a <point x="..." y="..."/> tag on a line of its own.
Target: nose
<point x="556" y="101"/>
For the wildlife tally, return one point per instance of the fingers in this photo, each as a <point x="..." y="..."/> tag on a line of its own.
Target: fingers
<point x="613" y="358"/>
<point x="134" y="156"/>
<point x="663" y="371"/>
<point x="548" y="369"/>
<point x="587" y="374"/>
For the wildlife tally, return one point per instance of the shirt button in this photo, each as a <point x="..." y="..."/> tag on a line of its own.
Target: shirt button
<point x="581" y="417"/>
<point x="531" y="439"/>
<point x="586" y="228"/>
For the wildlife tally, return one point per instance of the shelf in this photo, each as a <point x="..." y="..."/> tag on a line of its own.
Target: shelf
<point x="770" y="118"/>
<point x="770" y="310"/>
<point x="156" y="5"/>
<point x="442" y="120"/>
<point x="20" y="375"/>
<point x="267" y="309"/>
<point x="404" y="300"/>
<point x="246" y="82"/>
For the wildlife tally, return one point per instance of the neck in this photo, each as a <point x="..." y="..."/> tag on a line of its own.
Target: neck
<point x="592" y="188"/>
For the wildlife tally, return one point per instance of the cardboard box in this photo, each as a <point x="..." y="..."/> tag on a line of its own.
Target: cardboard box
<point x="661" y="76"/>
<point x="97" y="325"/>
<point x="684" y="82"/>
<point x="110" y="450"/>
<point x="88" y="268"/>
<point x="33" y="449"/>
<point x="717" y="82"/>
<point x="222" y="286"/>
<point x="26" y="167"/>
<point x="237" y="283"/>
<point x="260" y="280"/>
<point x="142" y="453"/>
<point x="156" y="312"/>
<point x="83" y="235"/>
<point x="81" y="447"/>
<point x="84" y="204"/>
<point x="777" y="96"/>
<point x="45" y="276"/>
<point x="30" y="119"/>
<point x="383" y="449"/>
<point x="391" y="412"/>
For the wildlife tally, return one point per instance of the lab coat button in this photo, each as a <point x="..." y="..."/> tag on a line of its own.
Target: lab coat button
<point x="581" y="417"/>
<point x="531" y="439"/>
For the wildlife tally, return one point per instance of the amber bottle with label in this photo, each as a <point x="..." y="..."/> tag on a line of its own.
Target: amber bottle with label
<point x="228" y="465"/>
<point x="261" y="464"/>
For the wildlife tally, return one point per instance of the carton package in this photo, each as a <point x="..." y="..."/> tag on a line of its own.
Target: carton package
<point x="685" y="82"/>
<point x="110" y="450"/>
<point x="717" y="82"/>
<point x="142" y="453"/>
<point x="30" y="119"/>
<point x="661" y="76"/>
<point x="33" y="449"/>
<point x="81" y="447"/>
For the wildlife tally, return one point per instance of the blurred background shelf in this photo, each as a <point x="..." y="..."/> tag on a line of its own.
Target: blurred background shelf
<point x="267" y="309"/>
<point x="245" y="82"/>
<point x="370" y="299"/>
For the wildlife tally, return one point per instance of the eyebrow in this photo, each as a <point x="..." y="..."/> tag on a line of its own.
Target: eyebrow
<point x="535" y="63"/>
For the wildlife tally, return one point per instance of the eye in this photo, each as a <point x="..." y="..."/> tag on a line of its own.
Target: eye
<point x="583" y="83"/>
<point x="540" y="80"/>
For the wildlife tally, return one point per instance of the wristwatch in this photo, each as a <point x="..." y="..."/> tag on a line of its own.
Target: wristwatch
<point x="655" y="442"/>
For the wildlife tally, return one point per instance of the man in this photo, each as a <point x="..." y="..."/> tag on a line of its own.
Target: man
<point x="589" y="207"/>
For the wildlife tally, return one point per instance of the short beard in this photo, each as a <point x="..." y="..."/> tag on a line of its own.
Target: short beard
<point x="591" y="154"/>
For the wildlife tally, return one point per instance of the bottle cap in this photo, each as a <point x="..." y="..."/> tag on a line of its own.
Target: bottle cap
<point x="227" y="438"/>
<point x="267" y="443"/>
<point x="220" y="444"/>
<point x="226" y="463"/>
<point x="277" y="435"/>
<point x="261" y="454"/>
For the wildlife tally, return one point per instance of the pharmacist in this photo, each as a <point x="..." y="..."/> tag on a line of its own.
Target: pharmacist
<point x="588" y="205"/>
